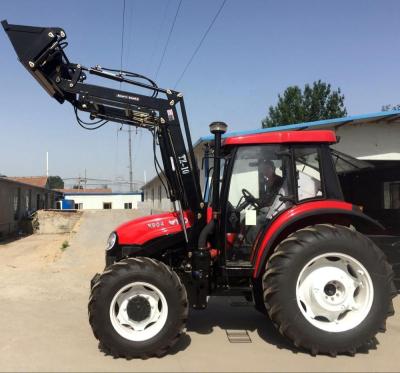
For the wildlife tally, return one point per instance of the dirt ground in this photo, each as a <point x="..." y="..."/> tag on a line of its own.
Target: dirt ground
<point x="44" y="327"/>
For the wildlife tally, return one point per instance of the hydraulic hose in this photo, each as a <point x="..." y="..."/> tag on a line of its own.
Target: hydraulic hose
<point x="206" y="231"/>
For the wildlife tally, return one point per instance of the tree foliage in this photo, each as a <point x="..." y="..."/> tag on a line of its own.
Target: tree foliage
<point x="314" y="102"/>
<point x="55" y="182"/>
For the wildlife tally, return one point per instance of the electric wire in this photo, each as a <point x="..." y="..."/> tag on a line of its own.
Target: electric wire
<point x="159" y="33"/>
<point x="130" y="34"/>
<point x="200" y="43"/>
<point x="123" y="34"/>
<point x="168" y="39"/>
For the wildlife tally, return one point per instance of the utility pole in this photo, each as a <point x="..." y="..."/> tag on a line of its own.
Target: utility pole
<point x="130" y="161"/>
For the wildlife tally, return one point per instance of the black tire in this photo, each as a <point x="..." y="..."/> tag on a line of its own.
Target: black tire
<point x="258" y="297"/>
<point x="280" y="281"/>
<point x="111" y="281"/>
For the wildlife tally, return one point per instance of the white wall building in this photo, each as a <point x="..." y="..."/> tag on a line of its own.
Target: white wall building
<point x="92" y="200"/>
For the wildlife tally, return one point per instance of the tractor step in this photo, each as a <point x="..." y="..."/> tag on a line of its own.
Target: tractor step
<point x="239" y="263"/>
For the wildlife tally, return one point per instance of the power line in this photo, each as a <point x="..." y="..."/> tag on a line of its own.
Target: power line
<point x="159" y="32"/>
<point x="200" y="43"/>
<point x="123" y="35"/>
<point x="130" y="29"/>
<point x="168" y="39"/>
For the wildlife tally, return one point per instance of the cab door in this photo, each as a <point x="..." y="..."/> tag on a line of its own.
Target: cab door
<point x="256" y="188"/>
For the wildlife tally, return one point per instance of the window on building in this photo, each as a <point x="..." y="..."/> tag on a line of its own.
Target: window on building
<point x="308" y="173"/>
<point x="78" y="206"/>
<point x="159" y="193"/>
<point x="128" y="205"/>
<point x="152" y="195"/>
<point x="392" y="195"/>
<point x="107" y="205"/>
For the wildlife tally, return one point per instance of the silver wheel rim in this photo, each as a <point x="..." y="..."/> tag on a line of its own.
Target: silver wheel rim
<point x="334" y="292"/>
<point x="144" y="329"/>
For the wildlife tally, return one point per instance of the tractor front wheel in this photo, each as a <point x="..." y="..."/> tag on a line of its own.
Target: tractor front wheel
<point x="329" y="289"/>
<point x="137" y="308"/>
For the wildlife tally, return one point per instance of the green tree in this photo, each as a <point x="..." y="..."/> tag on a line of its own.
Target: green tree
<point x="55" y="182"/>
<point x="314" y="102"/>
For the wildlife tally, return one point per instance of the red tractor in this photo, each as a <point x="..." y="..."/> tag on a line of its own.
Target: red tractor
<point x="275" y="229"/>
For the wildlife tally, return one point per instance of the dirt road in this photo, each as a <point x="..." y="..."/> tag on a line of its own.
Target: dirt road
<point x="44" y="326"/>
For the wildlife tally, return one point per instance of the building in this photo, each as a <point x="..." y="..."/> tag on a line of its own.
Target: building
<point x="19" y="196"/>
<point x="102" y="199"/>
<point x="370" y="137"/>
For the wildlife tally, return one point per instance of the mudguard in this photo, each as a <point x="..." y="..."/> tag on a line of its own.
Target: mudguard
<point x="308" y="213"/>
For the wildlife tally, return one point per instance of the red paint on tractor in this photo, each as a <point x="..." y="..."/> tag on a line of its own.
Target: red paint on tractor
<point x="320" y="136"/>
<point x="292" y="213"/>
<point x="209" y="214"/>
<point x="146" y="228"/>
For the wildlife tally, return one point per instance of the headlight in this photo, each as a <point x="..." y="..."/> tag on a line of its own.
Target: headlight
<point x="112" y="239"/>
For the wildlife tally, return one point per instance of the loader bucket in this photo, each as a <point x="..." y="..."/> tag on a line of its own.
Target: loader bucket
<point x="39" y="51"/>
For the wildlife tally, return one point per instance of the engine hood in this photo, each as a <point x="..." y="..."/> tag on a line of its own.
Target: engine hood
<point x="146" y="228"/>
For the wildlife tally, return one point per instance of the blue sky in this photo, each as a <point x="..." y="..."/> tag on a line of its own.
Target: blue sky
<point x="253" y="52"/>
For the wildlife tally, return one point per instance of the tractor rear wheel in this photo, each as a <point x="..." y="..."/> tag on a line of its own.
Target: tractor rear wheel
<point x="329" y="289"/>
<point x="137" y="308"/>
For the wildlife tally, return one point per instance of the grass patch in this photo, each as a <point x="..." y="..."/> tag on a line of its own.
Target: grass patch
<point x="64" y="245"/>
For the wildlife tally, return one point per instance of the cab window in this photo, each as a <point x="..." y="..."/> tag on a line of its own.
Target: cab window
<point x="308" y="173"/>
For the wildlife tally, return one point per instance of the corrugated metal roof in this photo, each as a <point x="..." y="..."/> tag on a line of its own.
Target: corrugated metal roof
<point x="335" y="122"/>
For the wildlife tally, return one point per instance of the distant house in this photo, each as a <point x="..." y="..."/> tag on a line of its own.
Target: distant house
<point x="21" y="195"/>
<point x="102" y="199"/>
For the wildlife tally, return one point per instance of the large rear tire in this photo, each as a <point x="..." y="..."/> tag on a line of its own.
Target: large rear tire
<point x="329" y="289"/>
<point x="138" y="308"/>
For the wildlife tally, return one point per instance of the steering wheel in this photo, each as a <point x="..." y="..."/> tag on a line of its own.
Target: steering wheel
<point x="250" y="199"/>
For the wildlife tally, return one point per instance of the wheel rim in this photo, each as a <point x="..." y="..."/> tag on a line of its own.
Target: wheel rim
<point x="334" y="292"/>
<point x="138" y="311"/>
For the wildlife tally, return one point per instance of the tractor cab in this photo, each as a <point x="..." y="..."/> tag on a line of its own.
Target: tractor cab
<point x="265" y="175"/>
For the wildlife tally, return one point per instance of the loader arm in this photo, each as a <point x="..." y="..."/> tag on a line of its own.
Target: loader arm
<point x="41" y="51"/>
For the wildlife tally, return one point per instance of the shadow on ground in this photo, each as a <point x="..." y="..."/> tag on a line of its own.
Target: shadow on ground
<point x="240" y="316"/>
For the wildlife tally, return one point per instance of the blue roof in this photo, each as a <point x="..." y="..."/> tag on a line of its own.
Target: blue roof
<point x="363" y="118"/>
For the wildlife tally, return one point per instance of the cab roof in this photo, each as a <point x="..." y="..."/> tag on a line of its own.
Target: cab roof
<point x="280" y="137"/>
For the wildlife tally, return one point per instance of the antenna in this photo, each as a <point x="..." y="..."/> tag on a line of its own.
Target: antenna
<point x="47" y="164"/>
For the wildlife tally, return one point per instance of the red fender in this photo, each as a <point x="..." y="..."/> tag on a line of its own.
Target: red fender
<point x="288" y="216"/>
